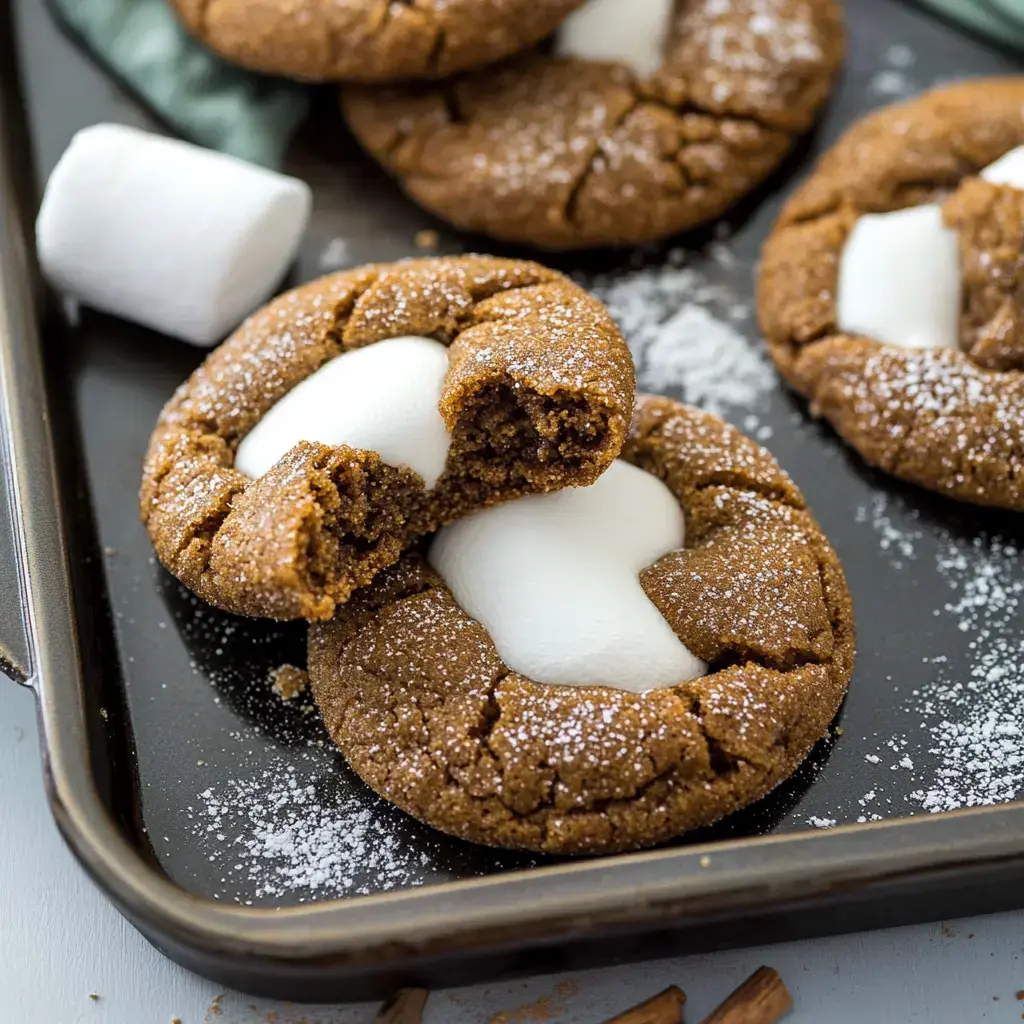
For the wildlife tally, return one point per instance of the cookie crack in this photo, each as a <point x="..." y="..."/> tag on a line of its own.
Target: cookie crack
<point x="737" y="655"/>
<point x="691" y="106"/>
<point x="570" y="211"/>
<point x="795" y="346"/>
<point x="204" y="532"/>
<point x="491" y="711"/>
<point x="721" y="762"/>
<point x="437" y="50"/>
<point x="462" y="319"/>
<point x="752" y="487"/>
<point x="637" y="793"/>
<point x="429" y="14"/>
<point x="722" y="478"/>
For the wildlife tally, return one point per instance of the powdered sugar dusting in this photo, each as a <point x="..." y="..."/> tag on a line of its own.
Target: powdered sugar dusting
<point x="899" y="541"/>
<point x="285" y="830"/>
<point x="894" y="80"/>
<point x="273" y="816"/>
<point x="684" y="329"/>
<point x="977" y="720"/>
<point x="816" y="822"/>
<point x="970" y="721"/>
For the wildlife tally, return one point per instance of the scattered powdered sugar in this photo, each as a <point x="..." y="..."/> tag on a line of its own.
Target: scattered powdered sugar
<point x="976" y="722"/>
<point x="708" y="357"/>
<point x="898" y="540"/>
<point x="292" y="829"/>
<point x="681" y="326"/>
<point x="900" y="56"/>
<point x="815" y="822"/>
<point x="892" y="81"/>
<point x="970" y="721"/>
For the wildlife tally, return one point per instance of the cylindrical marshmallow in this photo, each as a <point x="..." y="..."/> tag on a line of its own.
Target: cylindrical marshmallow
<point x="172" y="236"/>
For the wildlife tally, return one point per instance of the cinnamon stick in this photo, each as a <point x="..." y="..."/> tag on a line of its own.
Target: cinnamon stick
<point x="664" y="1008"/>
<point x="404" y="1007"/>
<point x="761" y="999"/>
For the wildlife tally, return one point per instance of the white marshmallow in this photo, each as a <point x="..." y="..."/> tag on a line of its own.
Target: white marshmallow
<point x="1007" y="170"/>
<point x="630" y="31"/>
<point x="899" y="279"/>
<point x="382" y="398"/>
<point x="899" y="272"/>
<point x="554" y="579"/>
<point x="178" y="238"/>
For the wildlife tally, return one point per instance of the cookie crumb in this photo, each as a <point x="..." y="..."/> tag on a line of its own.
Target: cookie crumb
<point x="94" y="996"/>
<point x="288" y="681"/>
<point x="175" y="1020"/>
<point x="110" y="552"/>
<point x="428" y="240"/>
<point x="214" y="1009"/>
<point x="705" y="861"/>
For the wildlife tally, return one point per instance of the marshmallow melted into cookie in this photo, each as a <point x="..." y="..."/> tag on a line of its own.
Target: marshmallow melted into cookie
<point x="899" y="272"/>
<point x="555" y="580"/>
<point x="382" y="398"/>
<point x="630" y="31"/>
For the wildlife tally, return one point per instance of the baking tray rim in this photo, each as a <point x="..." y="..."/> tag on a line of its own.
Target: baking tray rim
<point x="526" y="907"/>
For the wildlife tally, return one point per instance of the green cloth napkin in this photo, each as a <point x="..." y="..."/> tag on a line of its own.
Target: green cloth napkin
<point x="1001" y="20"/>
<point x="205" y="100"/>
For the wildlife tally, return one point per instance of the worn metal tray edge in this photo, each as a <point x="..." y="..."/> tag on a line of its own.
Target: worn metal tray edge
<point x="361" y="945"/>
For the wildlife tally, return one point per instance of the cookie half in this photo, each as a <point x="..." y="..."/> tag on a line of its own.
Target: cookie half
<point x="535" y="395"/>
<point x="369" y="40"/>
<point x="566" y="153"/>
<point x="414" y="693"/>
<point x="890" y="290"/>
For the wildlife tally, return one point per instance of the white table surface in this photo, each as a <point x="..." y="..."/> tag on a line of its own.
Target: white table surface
<point x="61" y="941"/>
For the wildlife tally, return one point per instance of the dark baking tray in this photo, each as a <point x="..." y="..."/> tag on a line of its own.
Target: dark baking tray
<point x="156" y="711"/>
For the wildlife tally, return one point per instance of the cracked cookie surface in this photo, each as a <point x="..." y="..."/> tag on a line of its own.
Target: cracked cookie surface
<point x="369" y="40"/>
<point x="951" y="420"/>
<point x="565" y="153"/>
<point x="537" y="396"/>
<point x="413" y="692"/>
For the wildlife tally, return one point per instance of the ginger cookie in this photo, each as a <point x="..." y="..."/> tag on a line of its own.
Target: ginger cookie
<point x="890" y="290"/>
<point x="369" y="40"/>
<point x="356" y="413"/>
<point x="681" y="683"/>
<point x="648" y="119"/>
